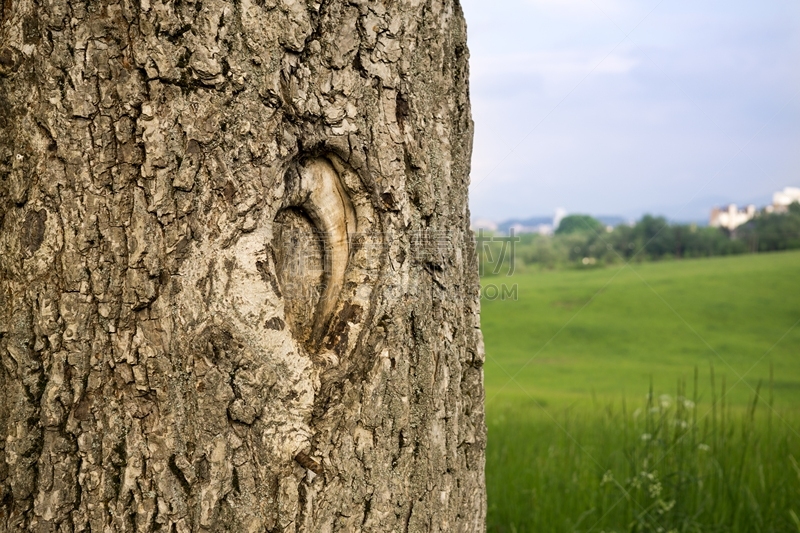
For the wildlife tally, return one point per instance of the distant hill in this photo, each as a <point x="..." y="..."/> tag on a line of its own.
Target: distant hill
<point x="612" y="220"/>
<point x="533" y="222"/>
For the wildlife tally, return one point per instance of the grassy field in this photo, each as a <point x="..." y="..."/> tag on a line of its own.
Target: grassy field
<point x="578" y="440"/>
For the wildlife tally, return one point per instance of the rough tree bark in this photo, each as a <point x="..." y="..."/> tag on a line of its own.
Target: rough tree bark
<point x="238" y="290"/>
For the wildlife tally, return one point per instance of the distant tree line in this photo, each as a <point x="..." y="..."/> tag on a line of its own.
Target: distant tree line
<point x="582" y="241"/>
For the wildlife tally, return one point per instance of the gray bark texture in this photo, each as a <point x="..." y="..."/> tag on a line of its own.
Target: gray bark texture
<point x="238" y="289"/>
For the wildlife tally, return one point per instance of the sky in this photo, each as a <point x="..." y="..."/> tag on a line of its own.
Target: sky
<point x="616" y="107"/>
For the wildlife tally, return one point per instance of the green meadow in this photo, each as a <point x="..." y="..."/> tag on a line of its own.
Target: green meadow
<point x="647" y="397"/>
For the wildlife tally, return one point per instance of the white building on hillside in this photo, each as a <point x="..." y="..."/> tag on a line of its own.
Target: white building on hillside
<point x="781" y="200"/>
<point x="731" y="217"/>
<point x="559" y="216"/>
<point x="541" y="229"/>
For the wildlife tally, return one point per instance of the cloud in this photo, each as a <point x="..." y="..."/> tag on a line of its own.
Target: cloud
<point x="579" y="8"/>
<point x="499" y="75"/>
<point x="555" y="64"/>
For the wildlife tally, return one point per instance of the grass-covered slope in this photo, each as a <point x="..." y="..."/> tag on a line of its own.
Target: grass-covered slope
<point x="609" y="330"/>
<point x="579" y="442"/>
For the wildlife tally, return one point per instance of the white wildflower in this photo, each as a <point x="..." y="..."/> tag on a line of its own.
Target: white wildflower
<point x="665" y="400"/>
<point x="655" y="489"/>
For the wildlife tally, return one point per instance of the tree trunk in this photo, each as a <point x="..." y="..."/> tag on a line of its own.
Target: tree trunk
<point x="238" y="290"/>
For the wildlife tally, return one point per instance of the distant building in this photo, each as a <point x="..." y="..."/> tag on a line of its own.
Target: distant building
<point x="541" y="229"/>
<point x="559" y="216"/>
<point x="731" y="217"/>
<point x="781" y="200"/>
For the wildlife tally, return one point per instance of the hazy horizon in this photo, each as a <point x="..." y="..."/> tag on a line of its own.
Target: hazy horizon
<point x="701" y="206"/>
